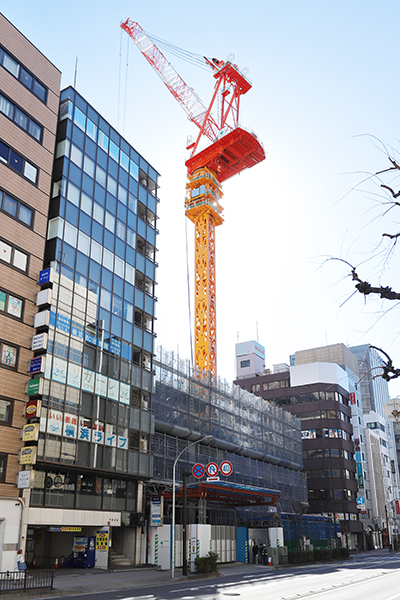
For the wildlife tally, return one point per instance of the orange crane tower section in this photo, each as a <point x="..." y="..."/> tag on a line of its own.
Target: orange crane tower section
<point x="232" y="149"/>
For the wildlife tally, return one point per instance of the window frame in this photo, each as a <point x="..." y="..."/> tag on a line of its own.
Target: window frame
<point x="11" y="263"/>
<point x="8" y="423"/>
<point x="4" y="459"/>
<point x="16" y="348"/>
<point x="5" y="311"/>
<point x="21" y="67"/>
<point x="24" y="162"/>
<point x="29" y="119"/>
<point x="3" y="193"/>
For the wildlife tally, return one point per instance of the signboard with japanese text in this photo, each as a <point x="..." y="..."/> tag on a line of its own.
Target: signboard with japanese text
<point x="28" y="455"/>
<point x="74" y="375"/>
<point x="39" y="341"/>
<point x="65" y="529"/>
<point x="54" y="421"/>
<point x="30" y="432"/>
<point x="70" y="429"/>
<point x="156" y="511"/>
<point x="37" y="365"/>
<point x="102" y="541"/>
<point x="45" y="276"/>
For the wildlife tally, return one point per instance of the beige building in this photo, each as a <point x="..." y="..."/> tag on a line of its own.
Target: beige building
<point x="29" y="100"/>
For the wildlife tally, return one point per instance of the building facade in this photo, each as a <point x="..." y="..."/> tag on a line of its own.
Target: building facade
<point x="29" y="100"/>
<point x="93" y="350"/>
<point x="262" y="442"/>
<point x="319" y="394"/>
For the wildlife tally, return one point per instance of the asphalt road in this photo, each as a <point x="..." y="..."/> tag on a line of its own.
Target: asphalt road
<point x="367" y="576"/>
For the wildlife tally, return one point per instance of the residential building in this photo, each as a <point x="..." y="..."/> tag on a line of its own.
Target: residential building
<point x="29" y="100"/>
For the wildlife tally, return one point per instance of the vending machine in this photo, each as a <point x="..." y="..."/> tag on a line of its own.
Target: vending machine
<point x="83" y="552"/>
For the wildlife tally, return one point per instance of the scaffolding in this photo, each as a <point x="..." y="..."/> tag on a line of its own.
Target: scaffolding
<point x="262" y="441"/>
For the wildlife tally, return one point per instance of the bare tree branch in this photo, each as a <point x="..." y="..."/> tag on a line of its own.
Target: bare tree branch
<point x="389" y="372"/>
<point x="366" y="288"/>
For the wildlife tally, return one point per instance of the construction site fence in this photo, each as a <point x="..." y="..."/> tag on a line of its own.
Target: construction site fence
<point x="17" y="581"/>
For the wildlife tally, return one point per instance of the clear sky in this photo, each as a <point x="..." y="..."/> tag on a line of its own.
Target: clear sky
<point x="325" y="94"/>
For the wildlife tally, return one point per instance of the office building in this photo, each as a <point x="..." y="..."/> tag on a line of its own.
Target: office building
<point x="29" y="100"/>
<point x="94" y="341"/>
<point x="319" y="393"/>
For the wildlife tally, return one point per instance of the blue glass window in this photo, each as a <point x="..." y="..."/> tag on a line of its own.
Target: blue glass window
<point x="120" y="248"/>
<point x="87" y="184"/>
<point x="78" y="137"/>
<point x="130" y="256"/>
<point x="109" y="240"/>
<point x="94" y="271"/>
<point x="103" y="141"/>
<point x="91" y="130"/>
<point x="102" y="158"/>
<point x="97" y="232"/>
<point x="111" y="203"/>
<point x="82" y="263"/>
<point x="118" y="285"/>
<point x="127" y="335"/>
<point x="99" y="194"/>
<point x="72" y="214"/>
<point x="107" y="278"/>
<point x="114" y="151"/>
<point x="85" y="223"/>
<point x="129" y="290"/>
<point x="116" y="325"/>
<point x="101" y="176"/>
<point x="134" y="169"/>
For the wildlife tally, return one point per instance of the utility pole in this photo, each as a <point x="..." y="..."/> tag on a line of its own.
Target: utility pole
<point x="184" y="521"/>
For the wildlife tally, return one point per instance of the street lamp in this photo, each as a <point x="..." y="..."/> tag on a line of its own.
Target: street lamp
<point x="206" y="438"/>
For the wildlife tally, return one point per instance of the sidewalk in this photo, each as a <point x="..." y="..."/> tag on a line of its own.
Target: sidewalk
<point x="84" y="581"/>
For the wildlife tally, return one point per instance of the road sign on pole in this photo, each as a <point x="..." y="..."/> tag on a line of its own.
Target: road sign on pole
<point x="212" y="469"/>
<point x="226" y="468"/>
<point x="198" y="471"/>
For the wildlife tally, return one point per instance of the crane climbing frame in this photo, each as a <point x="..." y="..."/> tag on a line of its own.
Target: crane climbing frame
<point x="232" y="150"/>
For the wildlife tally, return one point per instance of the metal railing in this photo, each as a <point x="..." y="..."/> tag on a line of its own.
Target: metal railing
<point x="26" y="580"/>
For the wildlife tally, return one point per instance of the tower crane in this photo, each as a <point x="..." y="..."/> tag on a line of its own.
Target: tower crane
<point x="230" y="150"/>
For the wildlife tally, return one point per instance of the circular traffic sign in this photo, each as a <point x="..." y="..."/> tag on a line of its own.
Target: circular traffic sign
<point x="226" y="468"/>
<point x="198" y="470"/>
<point x="212" y="469"/>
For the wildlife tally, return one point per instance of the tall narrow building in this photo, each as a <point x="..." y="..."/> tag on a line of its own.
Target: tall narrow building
<point x="95" y="338"/>
<point x="29" y="101"/>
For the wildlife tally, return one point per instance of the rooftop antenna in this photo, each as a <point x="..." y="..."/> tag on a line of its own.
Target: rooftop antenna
<point x="76" y="71"/>
<point x="257" y="330"/>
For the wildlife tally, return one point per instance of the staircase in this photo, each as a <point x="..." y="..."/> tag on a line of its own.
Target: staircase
<point x="119" y="561"/>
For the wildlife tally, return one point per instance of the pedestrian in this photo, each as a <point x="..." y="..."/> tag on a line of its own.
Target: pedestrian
<point x="260" y="551"/>
<point x="265" y="554"/>
<point x="21" y="564"/>
<point x="255" y="552"/>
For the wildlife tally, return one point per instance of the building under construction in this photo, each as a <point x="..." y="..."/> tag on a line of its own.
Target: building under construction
<point x="261" y="441"/>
